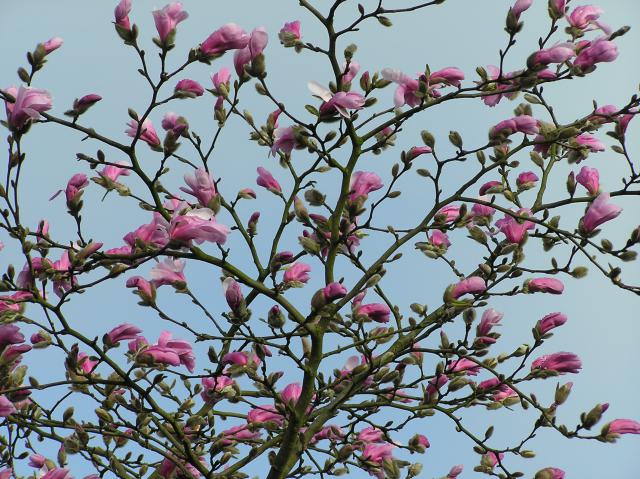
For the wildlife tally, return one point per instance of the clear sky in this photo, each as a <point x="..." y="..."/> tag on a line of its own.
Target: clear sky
<point x="604" y="326"/>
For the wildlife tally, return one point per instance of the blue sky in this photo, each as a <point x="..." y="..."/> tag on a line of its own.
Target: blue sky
<point x="603" y="328"/>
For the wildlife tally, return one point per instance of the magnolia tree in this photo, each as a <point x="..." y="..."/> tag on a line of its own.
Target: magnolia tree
<point x="371" y="371"/>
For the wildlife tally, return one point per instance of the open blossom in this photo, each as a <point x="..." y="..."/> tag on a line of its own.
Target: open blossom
<point x="297" y="273"/>
<point x="213" y="386"/>
<point x="170" y="272"/>
<point x="200" y="185"/>
<point x="264" y="414"/>
<point x="362" y="183"/>
<point x="266" y="180"/>
<point x="439" y="239"/>
<point x="167" y="19"/>
<point x="499" y="87"/>
<point x="623" y="426"/>
<point x="175" y="124"/>
<point x="481" y="210"/>
<point x="29" y="104"/>
<point x="121" y="333"/>
<point x="221" y="77"/>
<point x="121" y="14"/>
<point x="285" y="140"/>
<point x="585" y="18"/>
<point x="227" y="37"/>
<point x="550" y="321"/>
<point x="340" y="101"/>
<point x="378" y="452"/>
<point x="598" y="51"/>
<point x="464" y="365"/>
<point x="257" y="43"/>
<point x="490" y="319"/>
<point x="113" y="172"/>
<point x="406" y="90"/>
<point x="590" y="179"/>
<point x="147" y="132"/>
<point x="198" y="225"/>
<point x="188" y="88"/>
<point x="290" y="34"/>
<point x="173" y="352"/>
<point x="559" y="362"/>
<point x="473" y="284"/>
<point x="545" y="285"/>
<point x="330" y="432"/>
<point x="513" y="229"/>
<point x="6" y="407"/>
<point x="600" y="211"/>
<point x="522" y="124"/>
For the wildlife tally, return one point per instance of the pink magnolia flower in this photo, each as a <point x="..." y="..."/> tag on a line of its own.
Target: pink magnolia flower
<point x="173" y="352"/>
<point x="447" y="76"/>
<point x="473" y="284"/>
<point x="147" y="132"/>
<point x="370" y="435"/>
<point x="340" y="101"/>
<point x="598" y="51"/>
<point x="200" y="185"/>
<point x="560" y="362"/>
<point x="188" y="88"/>
<point x="330" y="432"/>
<point x="585" y="18"/>
<point x="29" y="104"/>
<point x="266" y="180"/>
<point x="416" y="151"/>
<point x="291" y="393"/>
<point x="550" y="473"/>
<point x="559" y="53"/>
<point x="297" y="273"/>
<point x="545" y="285"/>
<point x="170" y="272"/>
<point x="239" y="433"/>
<point x="623" y="426"/>
<point x="334" y="291"/>
<point x="439" y="239"/>
<point x="406" y="90"/>
<point x="120" y="333"/>
<point x="232" y="293"/>
<point x="436" y="383"/>
<point x="113" y="172"/>
<point x="491" y="187"/>
<point x="378" y="452"/>
<point x="464" y="365"/>
<point x="86" y="364"/>
<point x="74" y="188"/>
<point x="500" y="390"/>
<point x="10" y="334"/>
<point x="521" y="6"/>
<point x="198" y="225"/>
<point x="362" y="183"/>
<point x="57" y="473"/>
<point x="600" y="211"/>
<point x="490" y="318"/>
<point x="455" y="472"/>
<point x="167" y="19"/>
<point x="483" y="210"/>
<point x="215" y="386"/>
<point x="590" y="179"/>
<point x="513" y="229"/>
<point x="6" y="407"/>
<point x="522" y="124"/>
<point x="290" y="34"/>
<point x="257" y="43"/>
<point x="264" y="414"/>
<point x="221" y="77"/>
<point x="492" y="459"/>
<point x="121" y="14"/>
<point x="526" y="180"/>
<point x="175" y="124"/>
<point x="449" y="213"/>
<point x="227" y="37"/>
<point x="590" y="142"/>
<point x="285" y="140"/>
<point x="550" y="321"/>
<point x="145" y="289"/>
<point x="377" y="312"/>
<point x="350" y="73"/>
<point x="36" y="460"/>
<point x="52" y="44"/>
<point x="500" y="86"/>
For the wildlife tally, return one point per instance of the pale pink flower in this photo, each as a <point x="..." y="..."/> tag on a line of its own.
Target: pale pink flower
<point x="175" y="124"/>
<point x="490" y="318"/>
<point x="585" y="18"/>
<point x="483" y="210"/>
<point x="57" y="473"/>
<point x="290" y="34"/>
<point x="406" y="90"/>
<point x="266" y="180"/>
<point x="113" y="172"/>
<point x="598" y="51"/>
<point x="147" y="132"/>
<point x="239" y="433"/>
<point x="170" y="272"/>
<point x="600" y="211"/>
<point x="377" y="312"/>
<point x="167" y="19"/>
<point x="590" y="179"/>
<point x="448" y="213"/>
<point x="526" y="180"/>
<point x="521" y="6"/>
<point x="221" y="77"/>
<point x="439" y="239"/>
<point x="121" y="14"/>
<point x="623" y="426"/>
<point x="200" y="185"/>
<point x="232" y="293"/>
<point x="36" y="461"/>
<point x="362" y="183"/>
<point x="559" y="53"/>
<point x="522" y="124"/>
<point x="340" y="101"/>
<point x="370" y="435"/>
<point x="52" y="44"/>
<point x="455" y="472"/>
<point x="173" y="352"/>
<point x="29" y="104"/>
<point x="545" y="285"/>
<point x="145" y="289"/>
<point x="351" y="72"/>
<point x="227" y="37"/>
<point x="491" y="187"/>
<point x="257" y="43"/>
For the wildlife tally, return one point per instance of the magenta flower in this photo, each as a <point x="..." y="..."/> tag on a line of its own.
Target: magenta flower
<point x="600" y="211"/>
<point x="464" y="365"/>
<point x="370" y="434"/>
<point x="266" y="180"/>
<point x="197" y="225"/>
<point x="513" y="229"/>
<point x="227" y="37"/>
<point x="241" y="358"/>
<point x="257" y="43"/>
<point x="491" y="187"/>
<point x="623" y="426"/>
<point x="550" y="473"/>
<point x="36" y="461"/>
<point x="167" y="20"/>
<point x="549" y="322"/>
<point x="297" y="274"/>
<point x="221" y="77"/>
<point x="406" y="90"/>
<point x="589" y="141"/>
<point x="285" y="140"/>
<point x="362" y="183"/>
<point x="490" y="318"/>
<point x="526" y="180"/>
<point x="378" y="452"/>
<point x="200" y="185"/>
<point x="173" y="352"/>
<point x="416" y="151"/>
<point x="265" y="414"/>
<point x="585" y="18"/>
<point x="81" y="105"/>
<point x="10" y="334"/>
<point x="500" y="391"/>
<point x="238" y="433"/>
<point x="145" y="289"/>
<point x="170" y="272"/>
<point x="334" y="291"/>
<point x="473" y="285"/>
<point x="559" y="53"/>
<point x="340" y="101"/>
<point x="121" y="14"/>
<point x="113" y="172"/>
<point x="85" y="363"/>
<point x="216" y="386"/>
<point x="175" y="124"/>
<point x="330" y="432"/>
<point x="120" y="333"/>
<point x="560" y="362"/>
<point x="455" y="471"/>
<point x="232" y="293"/>
<point x="598" y="51"/>
<point x="57" y="473"/>
<point x="351" y="72"/>
<point x="521" y="6"/>
<point x="448" y="213"/>
<point x="377" y="312"/>
<point x="188" y="89"/>
<point x="29" y="104"/>
<point x="483" y="210"/>
<point x="545" y="285"/>
<point x="52" y="44"/>
<point x="448" y="76"/>
<point x="503" y="84"/>
<point x="290" y="34"/>
<point x="522" y="124"/>
<point x="439" y="239"/>
<point x="291" y="393"/>
<point x="147" y="132"/>
<point x="590" y="179"/>
<point x="74" y="188"/>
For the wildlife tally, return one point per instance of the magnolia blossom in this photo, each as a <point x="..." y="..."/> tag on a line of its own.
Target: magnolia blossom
<point x="167" y="19"/>
<point x="590" y="179"/>
<point x="350" y="71"/>
<point x="57" y="473"/>
<point x="214" y="386"/>
<point x="362" y="183"/>
<point x="600" y="211"/>
<point x="147" y="132"/>
<point x="145" y="289"/>
<point x="545" y="285"/>
<point x="74" y="188"/>
<point x="473" y="285"/>
<point x="10" y="334"/>
<point x="550" y="321"/>
<point x="265" y="414"/>
<point x="340" y="101"/>
<point x="490" y="319"/>
<point x="174" y="124"/>
<point x="623" y="426"/>
<point x="227" y="37"/>
<point x="521" y="6"/>
<point x="585" y="18"/>
<point x="256" y="45"/>
<point x="290" y="34"/>
<point x="406" y="90"/>
<point x="188" y="88"/>
<point x="173" y="352"/>
<point x="6" y="407"/>
<point x="491" y="187"/>
<point x="448" y="213"/>
<point x="455" y="471"/>
<point x="378" y="452"/>
<point x="297" y="273"/>
<point x="526" y="180"/>
<point x="221" y="77"/>
<point x="439" y="239"/>
<point x="334" y="291"/>
<point x="377" y="312"/>
<point x="559" y="53"/>
<point x="504" y="83"/>
<point x="170" y="272"/>
<point x="291" y="393"/>
<point x="266" y="180"/>
<point x="28" y="105"/>
<point x="121" y="333"/>
<point x="598" y="51"/>
<point x="370" y="434"/>
<point x="121" y="14"/>
<point x="514" y="229"/>
<point x="522" y="124"/>
<point x="550" y="473"/>
<point x="200" y="185"/>
<point x="239" y="433"/>
<point x="464" y="365"/>
<point x="113" y="172"/>
<point x="82" y="104"/>
<point x="416" y="151"/>
<point x="560" y="362"/>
